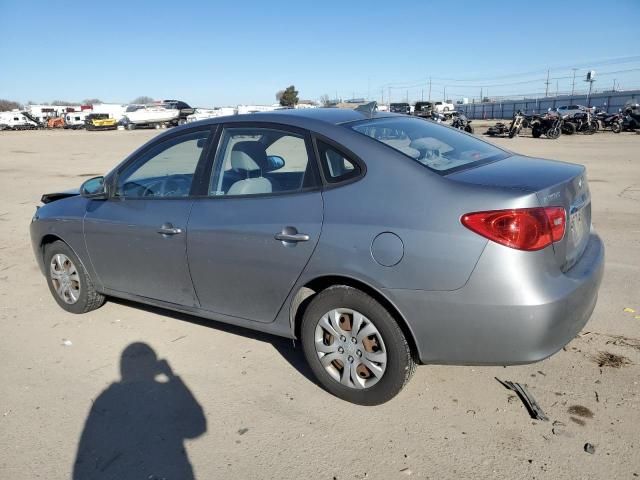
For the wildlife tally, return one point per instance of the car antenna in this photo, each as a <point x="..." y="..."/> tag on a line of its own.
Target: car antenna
<point x="367" y="108"/>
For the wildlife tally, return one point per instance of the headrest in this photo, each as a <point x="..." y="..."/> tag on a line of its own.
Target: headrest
<point x="248" y="156"/>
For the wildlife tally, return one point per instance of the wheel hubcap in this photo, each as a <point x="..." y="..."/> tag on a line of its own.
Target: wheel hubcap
<point x="350" y="348"/>
<point x="65" y="278"/>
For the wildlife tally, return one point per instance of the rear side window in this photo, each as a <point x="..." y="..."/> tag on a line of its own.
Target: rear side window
<point x="336" y="166"/>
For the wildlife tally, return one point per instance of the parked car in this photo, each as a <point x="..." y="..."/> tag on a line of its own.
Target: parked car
<point x="443" y="107"/>
<point x="400" y="108"/>
<point x="570" y="110"/>
<point x="378" y="240"/>
<point x="423" y="109"/>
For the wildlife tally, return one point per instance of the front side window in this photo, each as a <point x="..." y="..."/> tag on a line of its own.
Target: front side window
<point x="255" y="161"/>
<point x="439" y="148"/>
<point x="164" y="171"/>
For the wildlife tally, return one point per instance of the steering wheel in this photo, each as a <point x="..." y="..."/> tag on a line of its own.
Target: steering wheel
<point x="172" y="186"/>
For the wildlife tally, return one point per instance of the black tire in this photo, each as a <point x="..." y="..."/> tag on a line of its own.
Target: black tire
<point x="616" y="127"/>
<point x="589" y="129"/>
<point x="553" y="133"/>
<point x="88" y="298"/>
<point x="568" y="128"/>
<point x="468" y="129"/>
<point x="512" y="132"/>
<point x="400" y="364"/>
<point x="536" y="131"/>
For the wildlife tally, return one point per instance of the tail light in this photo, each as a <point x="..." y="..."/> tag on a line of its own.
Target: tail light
<point x="521" y="228"/>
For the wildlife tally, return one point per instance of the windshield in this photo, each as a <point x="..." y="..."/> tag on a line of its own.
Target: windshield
<point x="437" y="147"/>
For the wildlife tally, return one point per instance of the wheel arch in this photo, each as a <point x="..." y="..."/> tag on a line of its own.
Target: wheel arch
<point x="50" y="238"/>
<point x="309" y="290"/>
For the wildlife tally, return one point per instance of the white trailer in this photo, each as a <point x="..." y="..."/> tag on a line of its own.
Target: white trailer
<point x="204" y="113"/>
<point x="15" y="120"/>
<point x="75" y="120"/>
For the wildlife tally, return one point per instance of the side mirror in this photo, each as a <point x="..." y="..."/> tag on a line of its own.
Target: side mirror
<point x="274" y="162"/>
<point x="94" y="188"/>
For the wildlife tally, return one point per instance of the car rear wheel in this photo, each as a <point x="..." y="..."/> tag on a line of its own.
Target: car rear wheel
<point x="354" y="346"/>
<point x="68" y="281"/>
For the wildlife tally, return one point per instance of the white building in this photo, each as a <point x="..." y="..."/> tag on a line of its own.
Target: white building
<point x="114" y="110"/>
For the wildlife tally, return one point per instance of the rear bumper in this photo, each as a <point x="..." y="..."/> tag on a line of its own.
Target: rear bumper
<point x="516" y="308"/>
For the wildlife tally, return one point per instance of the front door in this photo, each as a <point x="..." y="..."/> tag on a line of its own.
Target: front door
<point x="250" y="239"/>
<point x="137" y="238"/>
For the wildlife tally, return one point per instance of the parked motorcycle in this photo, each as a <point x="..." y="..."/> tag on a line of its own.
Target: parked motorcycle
<point x="551" y="124"/>
<point x="610" y="121"/>
<point x="516" y="124"/>
<point x="462" y="122"/>
<point x="585" y="123"/>
<point x="498" y="129"/>
<point x="631" y="116"/>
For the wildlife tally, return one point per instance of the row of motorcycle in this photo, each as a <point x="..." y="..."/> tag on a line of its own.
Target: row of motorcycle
<point x="552" y="125"/>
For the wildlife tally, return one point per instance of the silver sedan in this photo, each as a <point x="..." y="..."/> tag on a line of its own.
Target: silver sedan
<point x="380" y="241"/>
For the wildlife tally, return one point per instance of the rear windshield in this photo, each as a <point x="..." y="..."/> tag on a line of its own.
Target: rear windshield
<point x="442" y="149"/>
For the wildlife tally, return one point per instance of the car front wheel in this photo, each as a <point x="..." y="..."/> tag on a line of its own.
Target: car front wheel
<point x="68" y="281"/>
<point x="354" y="346"/>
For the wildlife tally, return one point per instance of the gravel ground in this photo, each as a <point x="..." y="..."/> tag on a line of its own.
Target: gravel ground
<point x="249" y="403"/>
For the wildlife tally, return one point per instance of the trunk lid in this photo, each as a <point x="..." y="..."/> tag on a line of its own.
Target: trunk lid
<point x="555" y="184"/>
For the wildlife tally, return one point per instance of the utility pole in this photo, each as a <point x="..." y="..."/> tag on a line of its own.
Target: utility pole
<point x="546" y="91"/>
<point x="573" y="82"/>
<point x="590" y="79"/>
<point x="422" y="93"/>
<point x="444" y="94"/>
<point x="480" y="94"/>
<point x="382" y="96"/>
<point x="556" y="88"/>
<point x="389" y="96"/>
<point x="614" y="84"/>
<point x="429" y="88"/>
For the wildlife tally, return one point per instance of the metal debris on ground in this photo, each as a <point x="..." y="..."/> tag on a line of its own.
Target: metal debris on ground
<point x="66" y="343"/>
<point x="535" y="411"/>
<point x="589" y="448"/>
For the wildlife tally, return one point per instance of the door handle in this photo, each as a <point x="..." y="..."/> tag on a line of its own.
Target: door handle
<point x="169" y="229"/>
<point x="292" y="237"/>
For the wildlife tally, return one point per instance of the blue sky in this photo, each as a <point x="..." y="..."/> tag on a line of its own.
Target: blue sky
<point x="213" y="53"/>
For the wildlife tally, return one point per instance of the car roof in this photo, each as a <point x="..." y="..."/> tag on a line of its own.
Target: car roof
<point x="334" y="116"/>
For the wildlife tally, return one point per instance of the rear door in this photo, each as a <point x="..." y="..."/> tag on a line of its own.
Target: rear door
<point x="137" y="238"/>
<point x="256" y="227"/>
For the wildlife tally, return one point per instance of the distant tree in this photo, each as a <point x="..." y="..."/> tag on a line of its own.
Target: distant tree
<point x="6" y="105"/>
<point x="63" y="102"/>
<point x="91" y="101"/>
<point x="289" y="97"/>
<point x="142" y="100"/>
<point x="325" y="100"/>
<point x="279" y="94"/>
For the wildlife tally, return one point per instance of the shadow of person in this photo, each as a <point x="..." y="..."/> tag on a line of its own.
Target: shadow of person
<point x="136" y="427"/>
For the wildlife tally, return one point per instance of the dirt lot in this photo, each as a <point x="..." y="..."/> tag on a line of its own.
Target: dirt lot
<point x="263" y="415"/>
